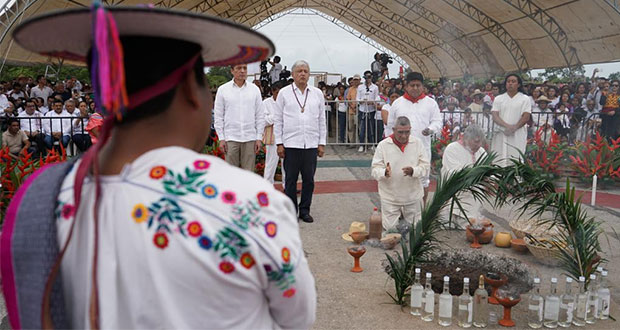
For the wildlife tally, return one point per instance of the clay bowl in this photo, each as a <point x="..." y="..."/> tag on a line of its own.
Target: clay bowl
<point x="390" y="241"/>
<point x="359" y="236"/>
<point x="356" y="251"/>
<point x="518" y="244"/>
<point x="485" y="238"/>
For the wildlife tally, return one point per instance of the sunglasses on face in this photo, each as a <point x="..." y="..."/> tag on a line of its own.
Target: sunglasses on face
<point x="614" y="85"/>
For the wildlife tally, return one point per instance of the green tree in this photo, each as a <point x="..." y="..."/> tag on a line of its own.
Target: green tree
<point x="614" y="76"/>
<point x="218" y="75"/>
<point x="564" y="74"/>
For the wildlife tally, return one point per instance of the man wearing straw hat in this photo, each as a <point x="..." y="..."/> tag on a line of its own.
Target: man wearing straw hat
<point x="143" y="231"/>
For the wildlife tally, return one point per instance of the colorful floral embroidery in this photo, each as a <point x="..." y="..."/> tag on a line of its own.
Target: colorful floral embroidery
<point x="227" y="267"/>
<point x="68" y="211"/>
<point x="246" y="215"/>
<point x="283" y="278"/>
<point x="194" y="229"/>
<point x="181" y="185"/>
<point x="205" y="242"/>
<point x="166" y="213"/>
<point x="139" y="213"/>
<point x="286" y="255"/>
<point x="271" y="229"/>
<point x="229" y="197"/>
<point x="209" y="191"/>
<point x="262" y="198"/>
<point x="230" y="244"/>
<point x="160" y="240"/>
<point x="158" y="172"/>
<point x="247" y="260"/>
<point x="201" y="165"/>
<point x="289" y="293"/>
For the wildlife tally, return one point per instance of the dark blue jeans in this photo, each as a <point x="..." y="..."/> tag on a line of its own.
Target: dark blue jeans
<point x="82" y="141"/>
<point x="298" y="161"/>
<point x="366" y="124"/>
<point x="49" y="141"/>
<point x="342" y="126"/>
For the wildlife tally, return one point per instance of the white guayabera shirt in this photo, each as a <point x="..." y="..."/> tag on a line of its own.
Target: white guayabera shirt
<point x="186" y="241"/>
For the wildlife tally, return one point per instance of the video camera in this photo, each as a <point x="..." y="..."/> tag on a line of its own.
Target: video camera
<point x="385" y="59"/>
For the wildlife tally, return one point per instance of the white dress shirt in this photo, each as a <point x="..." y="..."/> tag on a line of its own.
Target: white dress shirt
<point x="367" y="93"/>
<point x="269" y="109"/>
<point x="30" y="125"/>
<point x="238" y="113"/>
<point x="296" y="129"/>
<point x="43" y="93"/>
<point x="57" y="125"/>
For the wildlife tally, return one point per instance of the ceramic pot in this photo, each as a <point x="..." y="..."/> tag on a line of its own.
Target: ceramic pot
<point x="502" y="239"/>
<point x="486" y="237"/>
<point x="359" y="236"/>
<point x="518" y="245"/>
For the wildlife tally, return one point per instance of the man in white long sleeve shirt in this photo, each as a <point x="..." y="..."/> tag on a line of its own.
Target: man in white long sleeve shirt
<point x="367" y="94"/>
<point x="57" y="129"/>
<point x="300" y="131"/>
<point x="271" y="152"/>
<point x="422" y="111"/>
<point x="456" y="156"/>
<point x="399" y="164"/>
<point x="41" y="90"/>
<point x="30" y="122"/>
<point x="511" y="111"/>
<point x="239" y="120"/>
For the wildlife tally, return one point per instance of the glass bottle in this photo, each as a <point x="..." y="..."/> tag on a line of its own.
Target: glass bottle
<point x="581" y="304"/>
<point x="604" y="297"/>
<point x="481" y="308"/>
<point x="552" y="305"/>
<point x="567" y="305"/>
<point x="592" y="308"/>
<point x="428" y="314"/>
<point x="416" y="295"/>
<point x="535" y="307"/>
<point x="466" y="303"/>
<point x="445" y="304"/>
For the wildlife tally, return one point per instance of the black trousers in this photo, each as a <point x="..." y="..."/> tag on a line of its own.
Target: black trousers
<point x="300" y="161"/>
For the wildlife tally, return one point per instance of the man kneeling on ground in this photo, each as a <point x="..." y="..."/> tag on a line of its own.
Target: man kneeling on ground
<point x="398" y="164"/>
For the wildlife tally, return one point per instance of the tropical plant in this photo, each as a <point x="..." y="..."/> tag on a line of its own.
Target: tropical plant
<point x="546" y="155"/>
<point x="598" y="156"/>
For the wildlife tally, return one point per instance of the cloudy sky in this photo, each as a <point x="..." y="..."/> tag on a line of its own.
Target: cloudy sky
<point x="329" y="48"/>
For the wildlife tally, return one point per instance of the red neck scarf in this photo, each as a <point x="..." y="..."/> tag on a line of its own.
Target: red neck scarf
<point x="412" y="99"/>
<point x="398" y="144"/>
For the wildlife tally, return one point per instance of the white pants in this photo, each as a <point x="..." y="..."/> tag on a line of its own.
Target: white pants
<point x="390" y="213"/>
<point x="271" y="162"/>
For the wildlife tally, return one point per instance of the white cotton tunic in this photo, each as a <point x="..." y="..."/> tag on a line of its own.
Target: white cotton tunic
<point x="186" y="241"/>
<point x="510" y="110"/>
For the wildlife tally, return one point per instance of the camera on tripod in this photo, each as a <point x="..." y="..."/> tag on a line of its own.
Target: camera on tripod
<point x="385" y="59"/>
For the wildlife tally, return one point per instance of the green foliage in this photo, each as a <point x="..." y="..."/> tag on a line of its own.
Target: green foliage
<point x="614" y="76"/>
<point x="218" y="75"/>
<point x="564" y="74"/>
<point x="10" y="72"/>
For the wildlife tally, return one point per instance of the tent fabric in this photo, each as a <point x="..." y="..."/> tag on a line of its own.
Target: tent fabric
<point x="442" y="38"/>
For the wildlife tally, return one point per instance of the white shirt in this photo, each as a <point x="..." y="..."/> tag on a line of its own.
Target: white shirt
<point x="269" y="109"/>
<point x="43" y="93"/>
<point x="238" y="115"/>
<point x="57" y="125"/>
<point x="387" y="130"/>
<point x="296" y="129"/>
<point x="367" y="93"/>
<point x="342" y="104"/>
<point x="30" y="125"/>
<point x="222" y="251"/>
<point x="4" y="103"/>
<point x="422" y="114"/>
<point x="43" y="110"/>
<point x="398" y="188"/>
<point x="510" y="111"/>
<point x="274" y="72"/>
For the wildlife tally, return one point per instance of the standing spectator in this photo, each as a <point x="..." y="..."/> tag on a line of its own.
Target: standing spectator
<point x="375" y="67"/>
<point x="609" y="113"/>
<point x="239" y="120"/>
<point x="423" y="113"/>
<point x="385" y="111"/>
<point x="31" y="125"/>
<point x="15" y="139"/>
<point x="367" y="95"/>
<point x="511" y="111"/>
<point x="80" y="136"/>
<point x="490" y="97"/>
<point x="342" y="114"/>
<point x="352" y="114"/>
<point x="299" y="126"/>
<point x="56" y="128"/>
<point x="16" y="92"/>
<point x="41" y="89"/>
<point x="271" y="152"/>
<point x="399" y="165"/>
<point x="60" y="92"/>
<point x="276" y="68"/>
<point x="476" y="105"/>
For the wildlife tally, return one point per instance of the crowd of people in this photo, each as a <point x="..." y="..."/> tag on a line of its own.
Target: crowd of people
<point x="48" y="114"/>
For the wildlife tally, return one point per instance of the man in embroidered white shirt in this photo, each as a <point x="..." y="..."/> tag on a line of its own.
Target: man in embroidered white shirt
<point x="300" y="131"/>
<point x="367" y="94"/>
<point x="239" y="120"/>
<point x="422" y="111"/>
<point x="511" y="111"/>
<point x="399" y="164"/>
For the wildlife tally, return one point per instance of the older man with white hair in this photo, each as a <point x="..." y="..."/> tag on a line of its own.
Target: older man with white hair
<point x="400" y="164"/>
<point x="458" y="155"/>
<point x="300" y="133"/>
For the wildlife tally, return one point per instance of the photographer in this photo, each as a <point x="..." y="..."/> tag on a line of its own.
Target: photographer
<point x="276" y="68"/>
<point x="367" y="95"/>
<point x="376" y="66"/>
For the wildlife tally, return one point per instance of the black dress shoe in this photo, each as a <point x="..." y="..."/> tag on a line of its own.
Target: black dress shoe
<point x="306" y="218"/>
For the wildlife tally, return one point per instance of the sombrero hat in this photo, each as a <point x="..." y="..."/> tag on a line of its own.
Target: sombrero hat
<point x="68" y="33"/>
